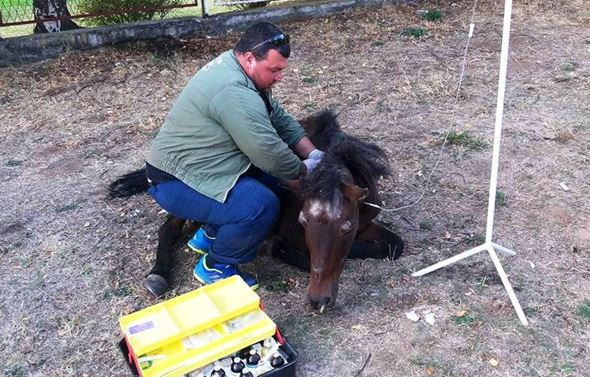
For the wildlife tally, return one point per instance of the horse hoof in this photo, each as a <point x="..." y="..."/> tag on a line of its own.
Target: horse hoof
<point x="398" y="250"/>
<point x="156" y="284"/>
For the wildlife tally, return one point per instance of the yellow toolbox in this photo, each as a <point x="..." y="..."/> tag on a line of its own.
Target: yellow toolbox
<point x="187" y="332"/>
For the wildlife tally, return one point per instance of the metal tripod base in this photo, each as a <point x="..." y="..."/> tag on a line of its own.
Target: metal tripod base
<point x="489" y="246"/>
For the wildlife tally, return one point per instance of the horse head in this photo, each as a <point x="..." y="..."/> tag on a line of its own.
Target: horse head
<point x="331" y="223"/>
<point x="333" y="204"/>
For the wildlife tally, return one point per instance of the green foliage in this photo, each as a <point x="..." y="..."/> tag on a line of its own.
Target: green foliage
<point x="15" y="371"/>
<point x="70" y="206"/>
<point x="466" y="319"/>
<point x="118" y="291"/>
<point x="432" y="15"/>
<point x="475" y="239"/>
<point x="138" y="10"/>
<point x="584" y="310"/>
<point x="416" y="32"/>
<point x="309" y="80"/>
<point x="530" y="311"/>
<point x="11" y="163"/>
<point x="377" y="43"/>
<point x="481" y="283"/>
<point x="425" y="224"/>
<point x="277" y="286"/>
<point x="500" y="199"/>
<point x="248" y="6"/>
<point x="567" y="369"/>
<point x="464" y="139"/>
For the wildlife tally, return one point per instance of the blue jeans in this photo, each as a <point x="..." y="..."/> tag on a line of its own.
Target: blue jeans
<point x="239" y="225"/>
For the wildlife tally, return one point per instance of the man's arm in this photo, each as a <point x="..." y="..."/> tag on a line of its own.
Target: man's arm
<point x="242" y="114"/>
<point x="304" y="147"/>
<point x="291" y="131"/>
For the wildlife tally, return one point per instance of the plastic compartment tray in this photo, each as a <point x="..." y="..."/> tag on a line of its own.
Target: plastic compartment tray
<point x="192" y="330"/>
<point x="287" y="370"/>
<point x="151" y="328"/>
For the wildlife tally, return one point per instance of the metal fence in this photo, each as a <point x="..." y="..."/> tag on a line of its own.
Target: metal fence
<point x="19" y="12"/>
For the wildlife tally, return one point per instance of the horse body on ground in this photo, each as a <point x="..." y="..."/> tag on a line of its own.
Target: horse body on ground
<point x="322" y="224"/>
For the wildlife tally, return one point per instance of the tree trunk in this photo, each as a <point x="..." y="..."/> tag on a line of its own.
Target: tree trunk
<point x="52" y="8"/>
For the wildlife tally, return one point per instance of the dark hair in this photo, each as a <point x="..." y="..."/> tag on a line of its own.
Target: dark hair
<point x="254" y="37"/>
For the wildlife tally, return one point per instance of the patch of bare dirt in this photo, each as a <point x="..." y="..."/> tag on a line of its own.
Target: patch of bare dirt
<point x="73" y="262"/>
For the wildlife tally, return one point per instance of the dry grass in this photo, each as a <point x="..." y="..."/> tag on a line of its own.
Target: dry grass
<point x="73" y="262"/>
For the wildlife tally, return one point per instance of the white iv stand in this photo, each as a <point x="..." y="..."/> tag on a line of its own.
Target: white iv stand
<point x="488" y="245"/>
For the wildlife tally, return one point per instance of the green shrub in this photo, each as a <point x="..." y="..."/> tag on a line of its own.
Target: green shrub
<point x="584" y="309"/>
<point x="432" y="15"/>
<point x="466" y="140"/>
<point x="256" y="5"/>
<point x="416" y="32"/>
<point x="135" y="10"/>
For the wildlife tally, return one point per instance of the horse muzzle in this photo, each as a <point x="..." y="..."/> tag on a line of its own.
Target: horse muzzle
<point x="323" y="300"/>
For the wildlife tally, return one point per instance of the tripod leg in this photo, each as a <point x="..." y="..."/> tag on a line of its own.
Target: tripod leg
<point x="507" y="286"/>
<point x="451" y="260"/>
<point x="503" y="249"/>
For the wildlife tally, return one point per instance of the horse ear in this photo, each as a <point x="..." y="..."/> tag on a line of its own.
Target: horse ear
<point x="355" y="193"/>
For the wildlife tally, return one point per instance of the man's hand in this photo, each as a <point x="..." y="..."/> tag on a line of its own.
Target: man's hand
<point x="312" y="161"/>
<point x="311" y="164"/>
<point x="316" y="154"/>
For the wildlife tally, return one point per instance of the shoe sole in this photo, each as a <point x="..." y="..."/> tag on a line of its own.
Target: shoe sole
<point x="253" y="287"/>
<point x="198" y="278"/>
<point x="198" y="251"/>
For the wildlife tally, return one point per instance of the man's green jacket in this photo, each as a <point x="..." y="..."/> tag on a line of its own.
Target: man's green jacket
<point x="219" y="126"/>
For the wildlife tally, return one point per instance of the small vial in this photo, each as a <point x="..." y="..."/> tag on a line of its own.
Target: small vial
<point x="253" y="358"/>
<point x="237" y="365"/>
<point x="218" y="372"/>
<point x="276" y="360"/>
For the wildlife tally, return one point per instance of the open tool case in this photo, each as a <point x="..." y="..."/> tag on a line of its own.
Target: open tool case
<point x="188" y="332"/>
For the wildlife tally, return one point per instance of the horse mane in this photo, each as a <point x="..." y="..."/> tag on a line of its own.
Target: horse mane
<point x="321" y="128"/>
<point x="365" y="161"/>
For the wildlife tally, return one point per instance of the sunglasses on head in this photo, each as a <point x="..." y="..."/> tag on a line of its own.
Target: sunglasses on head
<point x="277" y="40"/>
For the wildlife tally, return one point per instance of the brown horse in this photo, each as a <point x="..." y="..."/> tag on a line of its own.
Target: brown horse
<point x="322" y="223"/>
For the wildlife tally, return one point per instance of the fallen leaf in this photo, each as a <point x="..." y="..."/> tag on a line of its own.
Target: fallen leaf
<point x="494" y="362"/>
<point x="357" y="327"/>
<point x="429" y="318"/>
<point x="461" y="313"/>
<point x="430" y="371"/>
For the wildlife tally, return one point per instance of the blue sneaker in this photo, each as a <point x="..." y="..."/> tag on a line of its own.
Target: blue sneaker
<point x="201" y="242"/>
<point x="220" y="271"/>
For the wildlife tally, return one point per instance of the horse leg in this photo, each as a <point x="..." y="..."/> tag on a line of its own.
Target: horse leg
<point x="291" y="255"/>
<point x="157" y="281"/>
<point x="376" y="241"/>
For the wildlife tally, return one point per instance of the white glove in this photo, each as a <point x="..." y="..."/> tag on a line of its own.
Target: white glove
<point x="316" y="154"/>
<point x="311" y="164"/>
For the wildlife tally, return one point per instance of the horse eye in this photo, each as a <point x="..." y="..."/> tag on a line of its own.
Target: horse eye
<point x="302" y="219"/>
<point x="346" y="227"/>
